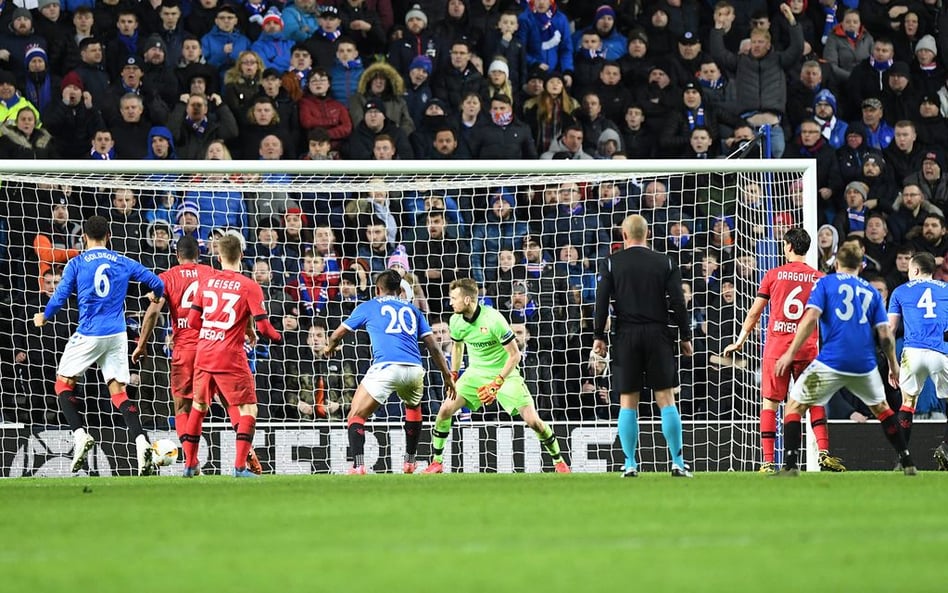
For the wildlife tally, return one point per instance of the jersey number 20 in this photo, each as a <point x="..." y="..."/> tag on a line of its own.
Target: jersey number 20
<point x="400" y="321"/>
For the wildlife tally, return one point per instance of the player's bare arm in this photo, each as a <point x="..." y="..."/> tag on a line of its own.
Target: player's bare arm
<point x="895" y="320"/>
<point x="148" y="325"/>
<point x="749" y="325"/>
<point x="887" y="344"/>
<point x="332" y="344"/>
<point x="251" y="333"/>
<point x="804" y="329"/>
<point x="39" y="320"/>
<point x="442" y="365"/>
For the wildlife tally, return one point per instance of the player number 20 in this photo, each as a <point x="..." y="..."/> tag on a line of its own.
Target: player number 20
<point x="401" y="321"/>
<point x="849" y="293"/>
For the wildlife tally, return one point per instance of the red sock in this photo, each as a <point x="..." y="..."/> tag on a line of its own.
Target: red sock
<point x="181" y="425"/>
<point x="234" y="413"/>
<point x="195" y="428"/>
<point x="245" y="431"/>
<point x="820" y="429"/>
<point x="768" y="433"/>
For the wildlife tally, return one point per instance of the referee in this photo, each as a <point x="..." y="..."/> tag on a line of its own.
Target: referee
<point x="640" y="285"/>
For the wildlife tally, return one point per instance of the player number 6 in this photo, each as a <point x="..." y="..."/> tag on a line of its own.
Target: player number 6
<point x="101" y="281"/>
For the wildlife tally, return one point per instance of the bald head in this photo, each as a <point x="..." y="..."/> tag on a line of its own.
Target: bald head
<point x="635" y="229"/>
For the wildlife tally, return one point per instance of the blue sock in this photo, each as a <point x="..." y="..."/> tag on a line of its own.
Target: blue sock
<point x="629" y="435"/>
<point x="671" y="428"/>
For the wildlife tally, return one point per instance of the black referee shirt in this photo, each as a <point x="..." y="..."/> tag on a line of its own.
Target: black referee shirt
<point x="642" y="285"/>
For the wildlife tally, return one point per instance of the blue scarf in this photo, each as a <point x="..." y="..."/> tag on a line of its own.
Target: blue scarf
<point x="40" y="95"/>
<point x="103" y="157"/>
<point x="130" y="43"/>
<point x="695" y="118"/>
<point x="857" y="219"/>
<point x="880" y="66"/>
<point x="329" y="36"/>
<point x="199" y="127"/>
<point x="829" y="23"/>
<point x="716" y="85"/>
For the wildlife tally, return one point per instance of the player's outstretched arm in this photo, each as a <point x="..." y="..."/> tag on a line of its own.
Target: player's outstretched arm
<point x="750" y="323"/>
<point x="148" y="325"/>
<point x="332" y="344"/>
<point x="442" y="365"/>
<point x="267" y="330"/>
<point x="804" y="329"/>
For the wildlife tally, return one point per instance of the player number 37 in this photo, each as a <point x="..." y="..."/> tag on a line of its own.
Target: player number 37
<point x="849" y="293"/>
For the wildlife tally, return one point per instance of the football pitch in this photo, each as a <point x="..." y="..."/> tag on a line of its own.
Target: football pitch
<point x="859" y="531"/>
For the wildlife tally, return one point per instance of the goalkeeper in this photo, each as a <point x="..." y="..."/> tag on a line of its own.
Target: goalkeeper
<point x="492" y="373"/>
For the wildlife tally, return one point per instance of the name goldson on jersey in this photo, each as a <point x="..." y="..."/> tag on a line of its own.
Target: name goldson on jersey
<point x="99" y="254"/>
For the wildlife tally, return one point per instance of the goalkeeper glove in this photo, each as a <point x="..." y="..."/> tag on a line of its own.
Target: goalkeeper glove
<point x="488" y="393"/>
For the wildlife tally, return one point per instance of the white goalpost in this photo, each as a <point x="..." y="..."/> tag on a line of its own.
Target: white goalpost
<point x="532" y="233"/>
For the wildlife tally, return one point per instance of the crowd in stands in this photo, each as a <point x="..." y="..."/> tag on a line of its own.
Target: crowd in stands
<point x="857" y="86"/>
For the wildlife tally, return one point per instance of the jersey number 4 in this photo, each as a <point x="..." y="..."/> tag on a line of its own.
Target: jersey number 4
<point x="927" y="303"/>
<point x="849" y="294"/>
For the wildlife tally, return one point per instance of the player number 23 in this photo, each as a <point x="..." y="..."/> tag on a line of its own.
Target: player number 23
<point x="849" y="293"/>
<point x="401" y="321"/>
<point x="230" y="300"/>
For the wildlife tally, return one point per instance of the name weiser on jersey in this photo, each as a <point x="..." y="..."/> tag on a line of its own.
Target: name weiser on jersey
<point x="223" y="284"/>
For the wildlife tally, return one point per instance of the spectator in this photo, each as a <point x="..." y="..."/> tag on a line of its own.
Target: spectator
<point x="910" y="210"/>
<point x="932" y="180"/>
<point x="95" y="79"/>
<point x="470" y="117"/>
<point x="878" y="133"/>
<point x="658" y="98"/>
<point x="327" y="384"/>
<point x="636" y="61"/>
<point x="827" y="242"/>
<point x="848" y="44"/>
<point x="127" y="227"/>
<point x="103" y="146"/>
<point x="318" y="109"/>
<point x="130" y="82"/>
<point x="20" y="138"/>
<point x="261" y="120"/>
<point x="900" y="99"/>
<point x="418" y="91"/>
<point x="832" y="128"/>
<point x="545" y="34"/>
<point x="459" y="78"/>
<point x="381" y="82"/>
<point x="435" y="117"/>
<point x="193" y="64"/>
<point x="694" y="112"/>
<point x="223" y="44"/>
<point x="501" y="41"/>
<point x="11" y="101"/>
<point x="440" y="258"/>
<point x="194" y="128"/>
<point x="593" y="121"/>
<point x="637" y="141"/>
<point x="372" y="125"/>
<point x="811" y="144"/>
<point x="130" y="131"/>
<point x="158" y="77"/>
<point x="158" y="255"/>
<point x="363" y="22"/>
<point x="53" y="24"/>
<point x="322" y="44"/>
<point x="242" y="82"/>
<point x="58" y="239"/>
<point x="40" y="84"/>
<point x="504" y="137"/>
<point x="455" y="25"/>
<point x="568" y="146"/>
<point x="127" y="43"/>
<point x="170" y="31"/>
<point x="852" y="220"/>
<point x="375" y="248"/>
<point x="299" y="20"/>
<point x="550" y="113"/>
<point x="868" y="78"/>
<point x="882" y="186"/>
<point x="446" y="145"/>
<point x="931" y="126"/>
<point x="899" y="273"/>
<point x="72" y="121"/>
<point x="499" y="231"/>
<point x="927" y="73"/>
<point x="347" y="71"/>
<point x="17" y="39"/>
<point x="416" y="40"/>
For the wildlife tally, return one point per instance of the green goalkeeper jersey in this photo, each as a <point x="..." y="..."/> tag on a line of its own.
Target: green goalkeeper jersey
<point x="485" y="337"/>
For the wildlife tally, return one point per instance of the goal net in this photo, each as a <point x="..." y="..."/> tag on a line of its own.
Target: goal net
<point x="531" y="233"/>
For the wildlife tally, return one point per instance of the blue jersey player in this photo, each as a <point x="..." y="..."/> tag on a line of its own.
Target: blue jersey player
<point x="99" y="277"/>
<point x="395" y="327"/>
<point x="848" y="310"/>
<point x="922" y="307"/>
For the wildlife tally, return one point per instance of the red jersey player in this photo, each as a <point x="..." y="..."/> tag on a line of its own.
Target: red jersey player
<point x="787" y="288"/>
<point x="181" y="287"/>
<point x="221" y="312"/>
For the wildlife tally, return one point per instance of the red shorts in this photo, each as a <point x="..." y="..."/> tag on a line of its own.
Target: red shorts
<point x="776" y="388"/>
<point x="182" y="374"/>
<point x="237" y="387"/>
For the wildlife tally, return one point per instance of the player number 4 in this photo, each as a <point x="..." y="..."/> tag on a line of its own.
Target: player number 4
<point x="927" y="303"/>
<point x="849" y="294"/>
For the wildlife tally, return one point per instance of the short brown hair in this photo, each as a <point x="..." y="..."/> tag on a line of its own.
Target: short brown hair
<point x="467" y="286"/>
<point x="849" y="256"/>
<point x="230" y="247"/>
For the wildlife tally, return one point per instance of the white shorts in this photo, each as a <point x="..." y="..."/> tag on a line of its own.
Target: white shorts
<point x="109" y="352"/>
<point x="919" y="364"/>
<point x="818" y="383"/>
<point x="407" y="380"/>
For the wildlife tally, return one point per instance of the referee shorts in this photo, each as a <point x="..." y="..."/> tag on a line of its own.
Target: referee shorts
<point x="644" y="356"/>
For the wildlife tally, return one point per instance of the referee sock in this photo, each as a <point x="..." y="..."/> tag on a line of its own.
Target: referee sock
<point x="820" y="429"/>
<point x="671" y="428"/>
<point x="129" y="412"/>
<point x="549" y="442"/>
<point x="439" y="436"/>
<point x="356" y="427"/>
<point x="629" y="435"/>
<point x="905" y="416"/>
<point x="67" y="403"/>
<point x="768" y="433"/>
<point x="792" y="437"/>
<point x="412" y="433"/>
<point x="245" y="430"/>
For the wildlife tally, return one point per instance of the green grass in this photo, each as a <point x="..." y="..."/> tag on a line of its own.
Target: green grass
<point x="485" y="533"/>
